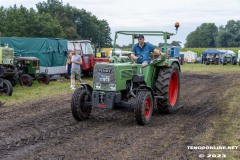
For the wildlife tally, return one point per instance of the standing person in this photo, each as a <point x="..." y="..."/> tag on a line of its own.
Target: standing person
<point x="141" y="51"/>
<point x="69" y="64"/>
<point x="76" y="69"/>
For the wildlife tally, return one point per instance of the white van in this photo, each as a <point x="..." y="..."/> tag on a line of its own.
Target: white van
<point x="189" y="56"/>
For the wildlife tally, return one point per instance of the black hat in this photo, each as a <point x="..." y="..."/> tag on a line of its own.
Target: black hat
<point x="140" y="36"/>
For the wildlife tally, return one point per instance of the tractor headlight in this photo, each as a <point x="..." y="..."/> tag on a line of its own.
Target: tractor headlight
<point x="112" y="86"/>
<point x="98" y="85"/>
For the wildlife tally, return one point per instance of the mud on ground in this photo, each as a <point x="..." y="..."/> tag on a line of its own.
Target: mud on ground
<point x="46" y="129"/>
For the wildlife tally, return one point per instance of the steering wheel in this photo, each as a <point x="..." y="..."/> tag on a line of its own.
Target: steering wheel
<point x="140" y="57"/>
<point x="129" y="56"/>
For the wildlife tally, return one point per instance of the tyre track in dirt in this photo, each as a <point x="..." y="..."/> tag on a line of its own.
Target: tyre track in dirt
<point x="45" y="129"/>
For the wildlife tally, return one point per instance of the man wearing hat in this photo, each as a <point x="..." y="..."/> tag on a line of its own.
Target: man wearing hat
<point x="142" y="50"/>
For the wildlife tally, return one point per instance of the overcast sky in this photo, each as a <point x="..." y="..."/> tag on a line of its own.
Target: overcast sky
<point x="153" y="14"/>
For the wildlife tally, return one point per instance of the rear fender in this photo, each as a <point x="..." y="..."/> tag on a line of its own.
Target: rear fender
<point x="168" y="62"/>
<point x="177" y="63"/>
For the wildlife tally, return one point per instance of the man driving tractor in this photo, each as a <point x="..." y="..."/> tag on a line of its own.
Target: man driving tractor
<point x="141" y="51"/>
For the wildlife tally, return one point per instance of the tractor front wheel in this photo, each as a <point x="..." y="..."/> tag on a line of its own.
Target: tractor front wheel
<point x="43" y="78"/>
<point x="81" y="104"/>
<point x="7" y="88"/>
<point x="14" y="80"/>
<point x="144" y="107"/>
<point x="234" y="61"/>
<point x="168" y="86"/>
<point x="25" y="80"/>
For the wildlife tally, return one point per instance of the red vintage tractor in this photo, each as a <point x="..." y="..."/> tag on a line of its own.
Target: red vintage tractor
<point x="89" y="58"/>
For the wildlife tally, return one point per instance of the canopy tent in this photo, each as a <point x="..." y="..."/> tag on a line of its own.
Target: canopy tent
<point x="212" y="51"/>
<point x="50" y="51"/>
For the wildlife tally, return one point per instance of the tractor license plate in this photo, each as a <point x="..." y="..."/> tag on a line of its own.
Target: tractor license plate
<point x="104" y="78"/>
<point x="37" y="71"/>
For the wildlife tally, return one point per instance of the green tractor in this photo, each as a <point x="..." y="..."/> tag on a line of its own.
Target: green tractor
<point x="229" y="59"/>
<point x="210" y="60"/>
<point x="7" y="71"/>
<point x="28" y="69"/>
<point x="123" y="82"/>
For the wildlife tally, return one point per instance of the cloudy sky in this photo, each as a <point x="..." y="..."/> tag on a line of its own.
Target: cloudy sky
<point x="153" y="14"/>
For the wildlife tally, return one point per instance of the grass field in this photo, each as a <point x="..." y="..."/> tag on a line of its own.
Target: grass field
<point x="210" y="69"/>
<point x="39" y="91"/>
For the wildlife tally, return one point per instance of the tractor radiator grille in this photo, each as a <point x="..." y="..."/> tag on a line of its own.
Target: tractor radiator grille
<point x="104" y="71"/>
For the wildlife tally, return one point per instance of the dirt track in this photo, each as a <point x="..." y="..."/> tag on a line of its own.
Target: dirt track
<point x="45" y="129"/>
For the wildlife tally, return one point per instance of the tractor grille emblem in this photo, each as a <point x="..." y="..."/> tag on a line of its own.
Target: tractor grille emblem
<point x="103" y="70"/>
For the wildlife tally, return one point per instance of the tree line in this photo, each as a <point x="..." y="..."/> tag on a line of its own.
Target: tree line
<point x="54" y="19"/>
<point x="208" y="35"/>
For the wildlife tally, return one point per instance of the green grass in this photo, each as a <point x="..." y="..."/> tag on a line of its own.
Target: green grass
<point x="210" y="69"/>
<point x="38" y="91"/>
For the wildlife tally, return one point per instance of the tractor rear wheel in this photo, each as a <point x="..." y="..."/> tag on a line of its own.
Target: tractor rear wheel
<point x="81" y="104"/>
<point x="43" y="78"/>
<point x="144" y="107"/>
<point x="25" y="80"/>
<point x="168" y="86"/>
<point x="7" y="88"/>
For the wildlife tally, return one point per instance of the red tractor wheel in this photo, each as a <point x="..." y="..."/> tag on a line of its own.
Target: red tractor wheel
<point x="144" y="107"/>
<point x="25" y="80"/>
<point x="43" y="78"/>
<point x="168" y="87"/>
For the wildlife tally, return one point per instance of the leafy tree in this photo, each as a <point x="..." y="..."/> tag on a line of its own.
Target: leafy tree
<point x="176" y="43"/>
<point x="225" y="39"/>
<point x="160" y="45"/>
<point x="14" y="21"/>
<point x="21" y="22"/>
<point x="203" y="36"/>
<point x="127" y="46"/>
<point x="229" y="35"/>
<point x="47" y="26"/>
<point x="60" y="12"/>
<point x="53" y="19"/>
<point x="78" y="23"/>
